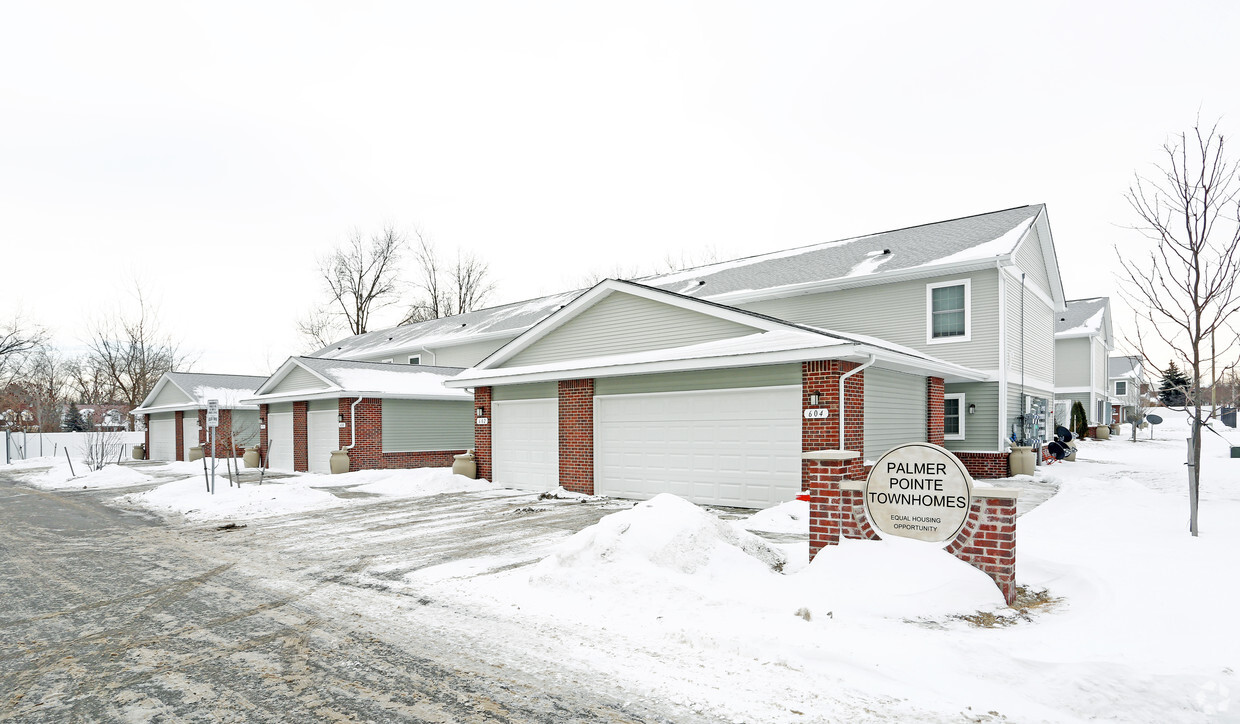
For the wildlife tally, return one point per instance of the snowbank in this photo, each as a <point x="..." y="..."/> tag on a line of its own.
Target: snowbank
<point x="59" y="477"/>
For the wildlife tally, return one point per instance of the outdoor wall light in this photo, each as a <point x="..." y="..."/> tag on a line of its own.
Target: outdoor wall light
<point x="480" y="412"/>
<point x="814" y="398"/>
<point x="972" y="409"/>
<point x="339" y="418"/>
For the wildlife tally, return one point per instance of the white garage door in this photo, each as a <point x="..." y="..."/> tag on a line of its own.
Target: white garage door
<point x="322" y="437"/>
<point x="525" y="443"/>
<point x="189" y="432"/>
<point x="738" y="448"/>
<point x="280" y="440"/>
<point x="163" y="438"/>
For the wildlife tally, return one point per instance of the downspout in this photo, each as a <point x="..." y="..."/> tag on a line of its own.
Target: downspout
<point x="353" y="423"/>
<point x="844" y="377"/>
<point x="432" y="354"/>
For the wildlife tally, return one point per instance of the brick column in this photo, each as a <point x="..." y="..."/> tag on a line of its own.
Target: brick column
<point x="204" y="433"/>
<point x="934" y="410"/>
<point x="988" y="540"/>
<point x="576" y="406"/>
<point x="262" y="435"/>
<point x="301" y="441"/>
<point x="146" y="423"/>
<point x="482" y="433"/>
<point x="178" y="419"/>
<point x="367" y="452"/>
<point x="823" y="377"/>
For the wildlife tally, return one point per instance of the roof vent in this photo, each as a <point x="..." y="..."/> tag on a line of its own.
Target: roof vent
<point x="886" y="251"/>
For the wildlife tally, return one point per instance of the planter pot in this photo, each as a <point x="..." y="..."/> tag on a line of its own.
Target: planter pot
<point x="139" y="452"/>
<point x="465" y="465"/>
<point x="1020" y="460"/>
<point x="1102" y="432"/>
<point x="195" y="453"/>
<point x="250" y="458"/>
<point x="339" y="461"/>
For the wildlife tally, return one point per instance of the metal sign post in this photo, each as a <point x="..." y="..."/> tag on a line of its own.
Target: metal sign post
<point x="213" y="421"/>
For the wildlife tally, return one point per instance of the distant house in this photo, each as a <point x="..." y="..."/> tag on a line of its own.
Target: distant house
<point x="1128" y="387"/>
<point x="175" y="414"/>
<point x="1083" y="343"/>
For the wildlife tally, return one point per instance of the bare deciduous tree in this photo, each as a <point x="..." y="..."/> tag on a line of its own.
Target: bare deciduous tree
<point x="447" y="290"/>
<point x="1185" y="292"/>
<point x="18" y="338"/>
<point x="131" y="353"/>
<point x="363" y="276"/>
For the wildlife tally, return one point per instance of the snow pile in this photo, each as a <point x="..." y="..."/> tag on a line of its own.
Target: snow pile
<point x="665" y="534"/>
<point x="791" y="518"/>
<point x="896" y="578"/>
<point x="189" y="498"/>
<point x="59" y="477"/>
<point x="411" y="483"/>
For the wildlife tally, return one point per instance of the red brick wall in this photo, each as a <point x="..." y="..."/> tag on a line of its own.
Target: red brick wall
<point x="577" y="435"/>
<point x="262" y="434"/>
<point x="934" y="410"/>
<point x="823" y="377"/>
<point x="985" y="465"/>
<point x="988" y="542"/>
<point x="367" y="452"/>
<point x="301" y="441"/>
<point x="179" y="417"/>
<point x="482" y="433"/>
<point x="146" y="423"/>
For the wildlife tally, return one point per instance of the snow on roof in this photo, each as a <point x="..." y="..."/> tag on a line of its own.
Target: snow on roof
<point x="387" y="379"/>
<point x="229" y="390"/>
<point x="1121" y="367"/>
<point x="1082" y="317"/>
<point x="972" y="238"/>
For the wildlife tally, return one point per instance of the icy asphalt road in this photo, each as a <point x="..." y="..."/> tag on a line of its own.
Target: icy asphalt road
<point x="109" y="615"/>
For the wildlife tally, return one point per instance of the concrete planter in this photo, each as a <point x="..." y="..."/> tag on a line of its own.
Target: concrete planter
<point x="139" y="452"/>
<point x="250" y="458"/>
<point x="339" y="461"/>
<point x="195" y="453"/>
<point x="1102" y="432"/>
<point x="1020" y="460"/>
<point x="465" y="465"/>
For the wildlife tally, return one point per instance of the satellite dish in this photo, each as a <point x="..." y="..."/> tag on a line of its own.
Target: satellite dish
<point x="1154" y="419"/>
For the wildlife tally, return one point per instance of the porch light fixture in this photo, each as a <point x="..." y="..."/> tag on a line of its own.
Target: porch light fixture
<point x="479" y="412"/>
<point x="339" y="418"/>
<point x="814" y="398"/>
<point x="972" y="409"/>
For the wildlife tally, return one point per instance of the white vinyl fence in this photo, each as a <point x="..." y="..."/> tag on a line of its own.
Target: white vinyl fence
<point x="109" y="445"/>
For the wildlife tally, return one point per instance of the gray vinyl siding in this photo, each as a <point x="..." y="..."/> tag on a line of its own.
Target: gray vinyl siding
<point x="1072" y="362"/>
<point x="1032" y="261"/>
<point x="245" y="427"/>
<point x="896" y="313"/>
<point x="296" y="380"/>
<point x="895" y="410"/>
<point x="170" y="395"/>
<point x="462" y="355"/>
<point x="426" y="425"/>
<point x="741" y="377"/>
<point x="280" y="407"/>
<point x="1083" y="398"/>
<point x="531" y="391"/>
<point x="623" y="323"/>
<point x="1039" y="335"/>
<point x="321" y="405"/>
<point x="981" y="429"/>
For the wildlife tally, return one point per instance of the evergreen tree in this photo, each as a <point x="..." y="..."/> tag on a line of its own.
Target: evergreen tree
<point x="73" y="419"/>
<point x="1079" y="422"/>
<point x="1174" y="385"/>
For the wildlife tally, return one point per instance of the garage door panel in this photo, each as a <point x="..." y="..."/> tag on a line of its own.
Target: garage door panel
<point x="322" y="437"/>
<point x="163" y="439"/>
<point x="724" y="447"/>
<point x="280" y="440"/>
<point x="525" y="443"/>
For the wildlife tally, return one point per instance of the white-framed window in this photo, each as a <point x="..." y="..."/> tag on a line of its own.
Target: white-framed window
<point x="953" y="416"/>
<point x="415" y="359"/>
<point x="1121" y="388"/>
<point x="948" y="318"/>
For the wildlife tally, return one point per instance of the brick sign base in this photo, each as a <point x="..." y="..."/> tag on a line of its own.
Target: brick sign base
<point x="836" y="510"/>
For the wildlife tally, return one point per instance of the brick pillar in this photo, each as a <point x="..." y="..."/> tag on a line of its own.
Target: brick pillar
<point x="204" y="433"/>
<point x="934" y="410"/>
<point x="146" y="423"/>
<point x="262" y="435"/>
<point x="367" y="452"/>
<point x="178" y="418"/>
<point x="482" y="433"/>
<point x="988" y="541"/>
<point x="577" y="435"/>
<point x="301" y="442"/>
<point x="823" y="377"/>
<point x="822" y="478"/>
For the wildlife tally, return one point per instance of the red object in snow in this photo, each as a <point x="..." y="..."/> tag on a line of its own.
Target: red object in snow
<point x="803" y="496"/>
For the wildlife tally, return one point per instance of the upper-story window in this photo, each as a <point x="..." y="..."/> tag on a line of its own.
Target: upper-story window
<point x="415" y="359"/>
<point x="947" y="311"/>
<point x="1121" y="387"/>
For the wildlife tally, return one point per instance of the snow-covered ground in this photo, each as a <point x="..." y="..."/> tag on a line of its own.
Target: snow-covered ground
<point x="1125" y="616"/>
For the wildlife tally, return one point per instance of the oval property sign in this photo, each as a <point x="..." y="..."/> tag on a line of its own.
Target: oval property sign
<point x="920" y="491"/>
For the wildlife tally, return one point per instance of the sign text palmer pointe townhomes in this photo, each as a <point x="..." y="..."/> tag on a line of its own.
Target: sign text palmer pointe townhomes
<point x="920" y="491"/>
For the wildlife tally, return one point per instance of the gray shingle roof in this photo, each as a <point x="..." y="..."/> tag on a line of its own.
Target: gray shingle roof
<point x="201" y="385"/>
<point x="1081" y="315"/>
<point x="1123" y="366"/>
<point x="979" y="237"/>
<point x="324" y="365"/>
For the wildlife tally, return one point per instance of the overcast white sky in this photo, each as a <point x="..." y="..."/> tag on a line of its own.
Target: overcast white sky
<point x="213" y="150"/>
